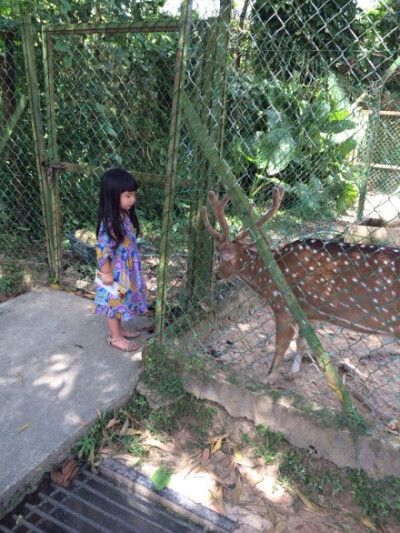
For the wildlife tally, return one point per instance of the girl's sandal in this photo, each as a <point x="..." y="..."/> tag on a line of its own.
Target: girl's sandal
<point x="131" y="333"/>
<point x="131" y="346"/>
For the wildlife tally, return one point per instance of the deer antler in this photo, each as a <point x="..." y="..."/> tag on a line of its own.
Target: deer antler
<point x="218" y="207"/>
<point x="277" y="195"/>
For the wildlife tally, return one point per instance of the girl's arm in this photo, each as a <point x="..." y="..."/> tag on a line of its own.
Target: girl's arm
<point x="108" y="278"/>
<point x="104" y="252"/>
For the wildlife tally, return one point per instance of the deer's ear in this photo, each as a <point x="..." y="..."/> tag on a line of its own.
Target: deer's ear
<point x="226" y="255"/>
<point x="252" y="248"/>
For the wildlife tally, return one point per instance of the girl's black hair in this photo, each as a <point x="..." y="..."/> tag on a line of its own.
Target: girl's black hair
<point x="113" y="183"/>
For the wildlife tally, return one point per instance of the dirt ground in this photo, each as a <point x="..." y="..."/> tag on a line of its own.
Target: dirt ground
<point x="229" y="475"/>
<point x="370" y="369"/>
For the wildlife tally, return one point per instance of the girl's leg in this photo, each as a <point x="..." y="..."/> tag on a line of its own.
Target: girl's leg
<point x="114" y="325"/>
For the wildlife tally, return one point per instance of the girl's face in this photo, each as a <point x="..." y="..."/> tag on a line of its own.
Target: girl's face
<point x="127" y="200"/>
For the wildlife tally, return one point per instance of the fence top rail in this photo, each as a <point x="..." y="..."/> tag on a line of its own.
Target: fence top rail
<point x="384" y="113"/>
<point x="166" y="25"/>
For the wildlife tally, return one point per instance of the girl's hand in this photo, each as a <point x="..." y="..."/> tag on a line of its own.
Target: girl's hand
<point x="108" y="279"/>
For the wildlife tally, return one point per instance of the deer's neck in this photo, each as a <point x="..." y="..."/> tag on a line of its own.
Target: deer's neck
<point x="254" y="273"/>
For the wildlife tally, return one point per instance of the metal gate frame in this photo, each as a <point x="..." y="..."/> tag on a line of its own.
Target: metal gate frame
<point x="46" y="153"/>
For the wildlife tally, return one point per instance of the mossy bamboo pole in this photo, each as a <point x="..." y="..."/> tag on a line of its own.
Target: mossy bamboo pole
<point x="12" y="123"/>
<point x="174" y="137"/>
<point x="167" y="25"/>
<point x="241" y="204"/>
<point x="39" y="146"/>
<point x="54" y="187"/>
<point x="213" y="98"/>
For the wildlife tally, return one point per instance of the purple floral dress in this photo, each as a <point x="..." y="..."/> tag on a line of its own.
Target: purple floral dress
<point x="125" y="264"/>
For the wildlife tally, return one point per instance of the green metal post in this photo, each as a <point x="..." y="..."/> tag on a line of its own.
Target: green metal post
<point x="241" y="204"/>
<point x="174" y="136"/>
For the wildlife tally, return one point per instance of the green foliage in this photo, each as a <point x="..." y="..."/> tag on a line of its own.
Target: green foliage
<point x="378" y="498"/>
<point x="8" y="285"/>
<point x="302" y="134"/>
<point x="162" y="373"/>
<point x="269" y="444"/>
<point x="303" y="37"/>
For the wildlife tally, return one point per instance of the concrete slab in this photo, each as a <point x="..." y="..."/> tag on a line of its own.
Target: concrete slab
<point x="56" y="370"/>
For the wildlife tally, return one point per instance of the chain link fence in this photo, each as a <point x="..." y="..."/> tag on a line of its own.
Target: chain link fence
<point x="22" y="240"/>
<point x="289" y="95"/>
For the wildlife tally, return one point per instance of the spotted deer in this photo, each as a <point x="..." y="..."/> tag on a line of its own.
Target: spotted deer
<point x="353" y="286"/>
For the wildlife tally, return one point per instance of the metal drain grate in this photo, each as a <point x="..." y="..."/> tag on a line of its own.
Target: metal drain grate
<point x="93" y="504"/>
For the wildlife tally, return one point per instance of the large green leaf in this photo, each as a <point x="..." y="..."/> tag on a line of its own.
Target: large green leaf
<point x="161" y="477"/>
<point x="275" y="151"/>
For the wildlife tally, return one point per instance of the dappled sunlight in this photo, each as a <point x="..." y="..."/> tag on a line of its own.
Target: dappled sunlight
<point x="60" y="374"/>
<point x="199" y="485"/>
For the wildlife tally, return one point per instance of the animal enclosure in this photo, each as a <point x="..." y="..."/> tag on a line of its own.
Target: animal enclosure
<point x="301" y="97"/>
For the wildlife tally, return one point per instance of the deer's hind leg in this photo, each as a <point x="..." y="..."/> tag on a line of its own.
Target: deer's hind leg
<point x="286" y="329"/>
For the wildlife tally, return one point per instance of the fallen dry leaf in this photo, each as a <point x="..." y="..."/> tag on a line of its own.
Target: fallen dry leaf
<point x="19" y="378"/>
<point x="216" y="445"/>
<point x="23" y="428"/>
<point x="64" y="475"/>
<point x="131" y="431"/>
<point x="205" y="456"/>
<point x="237" y="491"/>
<point x="112" y="423"/>
<point x="309" y="504"/>
<point x="81" y="422"/>
<point x="367" y="523"/>
<point x="157" y="444"/>
<point x="124" y="427"/>
<point x="218" y="499"/>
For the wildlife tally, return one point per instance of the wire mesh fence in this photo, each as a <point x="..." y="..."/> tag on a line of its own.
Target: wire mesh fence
<point x="300" y="96"/>
<point x="21" y="224"/>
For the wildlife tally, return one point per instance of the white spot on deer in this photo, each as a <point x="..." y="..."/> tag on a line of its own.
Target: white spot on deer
<point x="275" y="293"/>
<point x="346" y="262"/>
<point x="311" y="268"/>
<point x="385" y="310"/>
<point x="375" y="300"/>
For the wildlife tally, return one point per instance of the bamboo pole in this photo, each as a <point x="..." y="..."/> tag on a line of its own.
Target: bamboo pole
<point x="167" y="25"/>
<point x="12" y="123"/>
<point x="241" y="204"/>
<point x="38" y="141"/>
<point x="174" y="137"/>
<point x="54" y="187"/>
<point x="213" y="98"/>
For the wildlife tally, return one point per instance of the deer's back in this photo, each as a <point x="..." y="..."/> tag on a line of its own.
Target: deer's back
<point x="353" y="285"/>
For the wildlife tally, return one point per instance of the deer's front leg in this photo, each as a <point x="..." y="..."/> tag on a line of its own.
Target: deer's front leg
<point x="301" y="348"/>
<point x="286" y="329"/>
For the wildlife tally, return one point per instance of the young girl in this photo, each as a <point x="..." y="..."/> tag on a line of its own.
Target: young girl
<point x="118" y="257"/>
